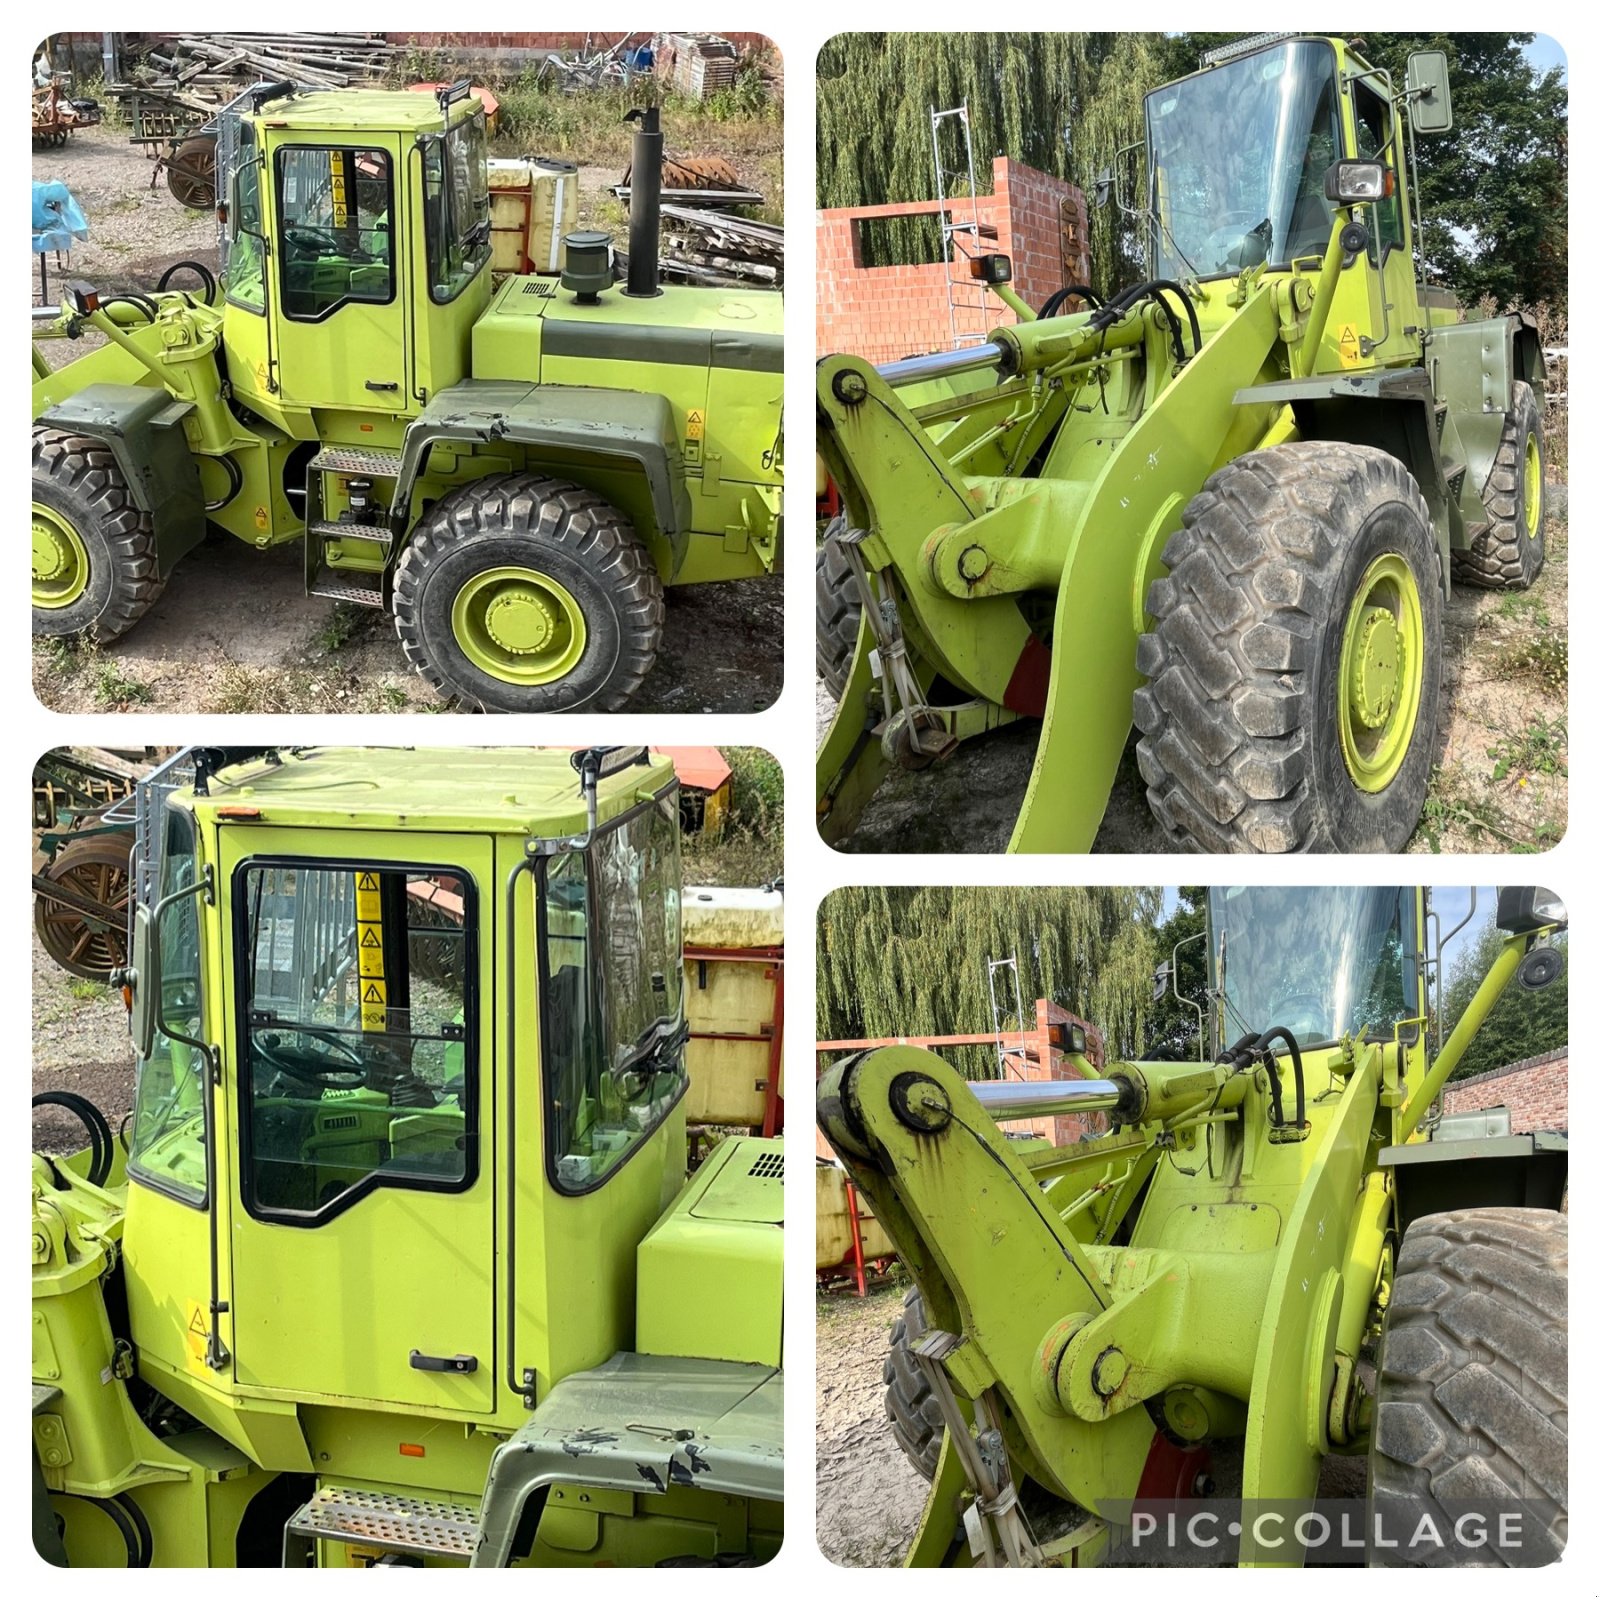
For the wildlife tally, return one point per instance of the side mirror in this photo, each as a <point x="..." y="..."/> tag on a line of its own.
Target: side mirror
<point x="1163" y="981"/>
<point x="1525" y="910"/>
<point x="1349" y="183"/>
<point x="1428" y="91"/>
<point x="1104" y="184"/>
<point x="991" y="269"/>
<point x="143" y="977"/>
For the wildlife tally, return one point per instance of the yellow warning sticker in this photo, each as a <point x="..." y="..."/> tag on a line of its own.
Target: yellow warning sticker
<point x="1349" y="345"/>
<point x="261" y="517"/>
<point x="196" y="1329"/>
<point x="374" y="992"/>
<point x="371" y="962"/>
<point x="369" y="904"/>
<point x="374" y="1019"/>
<point x="697" y="424"/>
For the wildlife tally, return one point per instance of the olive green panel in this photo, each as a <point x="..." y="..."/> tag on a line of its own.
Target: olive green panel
<point x="144" y="430"/>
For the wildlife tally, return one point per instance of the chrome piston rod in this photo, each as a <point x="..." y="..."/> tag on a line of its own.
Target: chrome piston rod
<point x="1012" y="1101"/>
<point x="941" y="364"/>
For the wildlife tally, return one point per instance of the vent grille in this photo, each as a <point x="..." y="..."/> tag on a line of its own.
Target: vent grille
<point x="539" y="286"/>
<point x="768" y="1166"/>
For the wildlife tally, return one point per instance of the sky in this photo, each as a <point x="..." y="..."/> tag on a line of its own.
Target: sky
<point x="1544" y="53"/>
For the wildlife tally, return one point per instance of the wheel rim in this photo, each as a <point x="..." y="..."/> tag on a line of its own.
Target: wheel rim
<point x="1532" y="486"/>
<point x="70" y="940"/>
<point x="1380" y="673"/>
<point x="60" y="560"/>
<point x="519" y="625"/>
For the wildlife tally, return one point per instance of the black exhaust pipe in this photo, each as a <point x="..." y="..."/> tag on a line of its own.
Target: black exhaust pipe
<point x="644" y="204"/>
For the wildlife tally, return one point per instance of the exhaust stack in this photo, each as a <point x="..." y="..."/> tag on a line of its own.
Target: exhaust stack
<point x="644" y="204"/>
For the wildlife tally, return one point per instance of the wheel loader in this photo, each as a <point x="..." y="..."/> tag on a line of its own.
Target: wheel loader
<point x="395" y="1262"/>
<point x="514" y="472"/>
<point x="1276" y="1254"/>
<point x="1222" y="507"/>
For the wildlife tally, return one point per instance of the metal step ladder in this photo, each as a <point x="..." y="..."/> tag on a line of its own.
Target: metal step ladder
<point x="959" y="242"/>
<point x="333" y="570"/>
<point x="1010" y="1060"/>
<point x="394" y="1524"/>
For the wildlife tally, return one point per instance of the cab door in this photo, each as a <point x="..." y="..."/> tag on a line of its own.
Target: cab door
<point x="361" y="1039"/>
<point x="1388" y="271"/>
<point x="340" y="308"/>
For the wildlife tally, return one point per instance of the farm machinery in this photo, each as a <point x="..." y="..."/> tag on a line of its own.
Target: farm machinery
<point x="1281" y="1253"/>
<point x="397" y="1263"/>
<point x="515" y="473"/>
<point x="1222" y="507"/>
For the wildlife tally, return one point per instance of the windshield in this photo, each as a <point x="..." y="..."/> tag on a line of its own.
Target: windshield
<point x="1238" y="158"/>
<point x="1320" y="962"/>
<point x="455" y="203"/>
<point x="168" y="1143"/>
<point x="613" y="1017"/>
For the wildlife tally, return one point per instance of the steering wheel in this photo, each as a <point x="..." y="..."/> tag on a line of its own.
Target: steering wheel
<point x="1303" y="1013"/>
<point x="312" y="240"/>
<point x="334" y="1065"/>
<point x="1223" y="235"/>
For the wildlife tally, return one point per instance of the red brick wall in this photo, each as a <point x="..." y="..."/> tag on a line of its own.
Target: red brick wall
<point x="884" y="313"/>
<point x="1535" y="1092"/>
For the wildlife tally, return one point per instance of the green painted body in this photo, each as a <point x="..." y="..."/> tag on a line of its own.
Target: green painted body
<point x="698" y="370"/>
<point x="296" y="1375"/>
<point x="1201" y="1262"/>
<point x="1020" y="514"/>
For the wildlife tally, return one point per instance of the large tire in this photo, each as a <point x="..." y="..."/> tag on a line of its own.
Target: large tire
<point x="94" y="550"/>
<point x="838" y="611"/>
<point x="1296" y="581"/>
<point x="572" y="623"/>
<point x="1472" y="1383"/>
<point x="1509" y="552"/>
<point x="97" y="867"/>
<point x="192" y="173"/>
<point x="914" y="1414"/>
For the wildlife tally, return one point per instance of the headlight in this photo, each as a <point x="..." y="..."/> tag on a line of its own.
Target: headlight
<point x="1524" y="909"/>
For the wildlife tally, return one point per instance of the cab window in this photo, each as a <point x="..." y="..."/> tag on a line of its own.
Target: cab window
<point x="612" y="1016"/>
<point x="455" y="205"/>
<point x="244" y="277"/>
<point x="167" y="1149"/>
<point x="358" y="1016"/>
<point x="1373" y="133"/>
<point x="334" y="211"/>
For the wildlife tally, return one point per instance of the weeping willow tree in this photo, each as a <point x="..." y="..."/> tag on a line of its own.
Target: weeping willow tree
<point x="1065" y="103"/>
<point x="894" y="961"/>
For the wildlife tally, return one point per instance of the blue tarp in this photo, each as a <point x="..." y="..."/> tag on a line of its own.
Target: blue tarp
<point x="58" y="219"/>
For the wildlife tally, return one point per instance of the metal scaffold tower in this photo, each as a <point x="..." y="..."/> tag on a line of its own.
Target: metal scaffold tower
<point x="959" y="241"/>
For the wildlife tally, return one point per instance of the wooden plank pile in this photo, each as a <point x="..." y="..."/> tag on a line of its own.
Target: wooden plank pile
<point x="204" y="71"/>
<point x="714" y="247"/>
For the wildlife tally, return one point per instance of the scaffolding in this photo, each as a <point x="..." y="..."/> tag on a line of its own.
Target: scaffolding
<point x="959" y="242"/>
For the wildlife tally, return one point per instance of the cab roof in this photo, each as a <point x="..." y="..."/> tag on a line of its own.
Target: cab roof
<point x="377" y="110"/>
<point x="518" y="791"/>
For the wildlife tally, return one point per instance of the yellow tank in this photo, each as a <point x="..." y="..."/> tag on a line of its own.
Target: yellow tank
<point x="833" y="1222"/>
<point x="533" y="206"/>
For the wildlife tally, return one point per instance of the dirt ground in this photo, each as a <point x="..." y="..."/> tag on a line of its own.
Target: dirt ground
<point x="869" y="1497"/>
<point x="199" y="649"/>
<point x="1500" y="782"/>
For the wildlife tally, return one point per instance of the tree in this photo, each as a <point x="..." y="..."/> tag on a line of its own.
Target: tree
<point x="1524" y="1023"/>
<point x="1173" y="1030"/>
<point x="894" y="961"/>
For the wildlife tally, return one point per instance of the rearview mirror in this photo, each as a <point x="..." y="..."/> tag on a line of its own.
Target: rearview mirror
<point x="1163" y="980"/>
<point x="143" y="977"/>
<point x="1103" y="186"/>
<point x="1428" y="91"/>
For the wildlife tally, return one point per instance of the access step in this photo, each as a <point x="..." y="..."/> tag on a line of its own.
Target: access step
<point x="355" y="462"/>
<point x="354" y="588"/>
<point x="367" y="532"/>
<point x="392" y="1522"/>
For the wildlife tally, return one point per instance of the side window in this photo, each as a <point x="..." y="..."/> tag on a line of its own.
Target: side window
<point x="455" y="205"/>
<point x="247" y="246"/>
<point x="1373" y="143"/>
<point x="336" y="242"/>
<point x="357" y="1014"/>
<point x="612" y="1018"/>
<point x="168" y="1147"/>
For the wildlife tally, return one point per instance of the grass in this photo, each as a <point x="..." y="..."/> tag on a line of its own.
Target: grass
<point x="1542" y="658"/>
<point x="115" y="690"/>
<point x="343" y="624"/>
<point x="749" y="850"/>
<point x="1537" y="749"/>
<point x="88" y="989"/>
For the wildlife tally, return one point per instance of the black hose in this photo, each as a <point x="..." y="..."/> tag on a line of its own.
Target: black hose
<point x="93" y="1119"/>
<point x="200" y="269"/>
<point x="1154" y="289"/>
<point x="1081" y="290"/>
<point x="235" y="481"/>
<point x="1246" y="1051"/>
<point x="142" y="301"/>
<point x="1299" y="1071"/>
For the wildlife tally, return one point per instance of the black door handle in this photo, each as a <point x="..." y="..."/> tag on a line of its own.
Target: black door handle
<point x="375" y="386"/>
<point x="443" y="1363"/>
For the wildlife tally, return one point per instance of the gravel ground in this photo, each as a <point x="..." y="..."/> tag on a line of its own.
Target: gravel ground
<point x="200" y="650"/>
<point x="870" y="1498"/>
<point x="967" y="804"/>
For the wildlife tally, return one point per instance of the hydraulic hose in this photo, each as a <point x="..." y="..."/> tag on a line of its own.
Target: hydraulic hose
<point x="1242" y="1054"/>
<point x="1299" y="1071"/>
<point x="1061" y="296"/>
<point x="200" y="269"/>
<point x="1153" y="289"/>
<point x="142" y="301"/>
<point x="93" y="1119"/>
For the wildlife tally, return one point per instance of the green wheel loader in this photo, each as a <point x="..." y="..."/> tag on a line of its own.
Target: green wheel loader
<point x="515" y="473"/>
<point x="395" y="1262"/>
<point x="1223" y="507"/>
<point x="1275" y="1254"/>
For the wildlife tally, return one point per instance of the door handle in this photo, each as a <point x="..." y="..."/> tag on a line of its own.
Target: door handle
<point x="378" y="388"/>
<point x="461" y="1364"/>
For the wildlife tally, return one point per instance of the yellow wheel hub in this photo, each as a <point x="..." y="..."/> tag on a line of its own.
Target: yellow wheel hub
<point x="519" y="625"/>
<point x="1532" y="486"/>
<point x="1380" y="673"/>
<point x="60" y="561"/>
